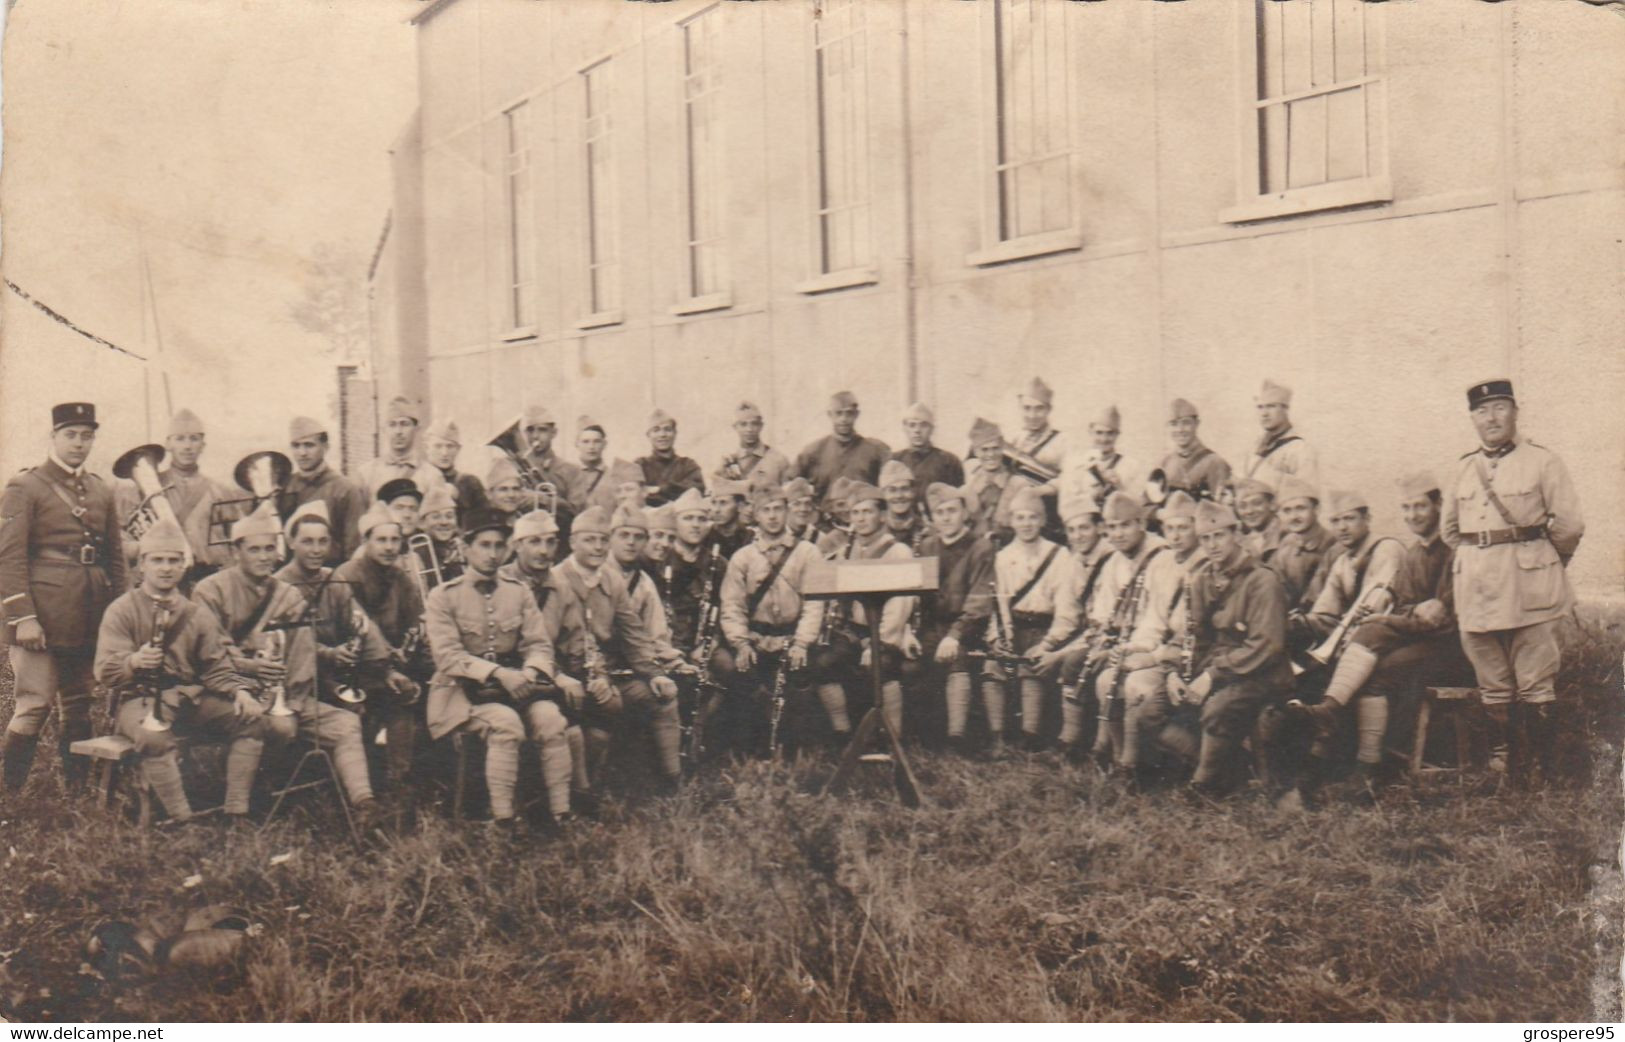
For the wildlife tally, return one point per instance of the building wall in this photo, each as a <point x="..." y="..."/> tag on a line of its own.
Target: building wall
<point x="1499" y="252"/>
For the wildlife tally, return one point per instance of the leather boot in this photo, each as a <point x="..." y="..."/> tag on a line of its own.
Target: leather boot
<point x="18" y="752"/>
<point x="1542" y="728"/>
<point x="75" y="769"/>
<point x="1496" y="732"/>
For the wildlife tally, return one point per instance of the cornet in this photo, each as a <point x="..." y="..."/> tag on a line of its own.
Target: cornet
<point x="275" y="649"/>
<point x="349" y="693"/>
<point x="1327" y="651"/>
<point x="140" y="465"/>
<point x="154" y="720"/>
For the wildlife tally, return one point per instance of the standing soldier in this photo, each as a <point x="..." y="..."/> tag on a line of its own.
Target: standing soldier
<point x="444" y="553"/>
<point x="1280" y="451"/>
<point x="404" y="500"/>
<point x="955" y="618"/>
<point x="593" y="484"/>
<point x="1038" y="439"/>
<point x="1261" y="529"/>
<point x="1103" y="470"/>
<point x="540" y="463"/>
<point x="61" y="564"/>
<point x="441" y="444"/>
<point x="191" y="494"/>
<point x="929" y="464"/>
<point x="992" y="484"/>
<point x="1514" y="518"/>
<point x="402" y="459"/>
<point x="1192" y="468"/>
<point x="1239" y="662"/>
<point x="667" y="474"/>
<point x="169" y="663"/>
<point x="1307" y="549"/>
<point x="313" y="480"/>
<point x="505" y="491"/>
<point x="754" y="461"/>
<point x="843" y="453"/>
<point x="903" y="518"/>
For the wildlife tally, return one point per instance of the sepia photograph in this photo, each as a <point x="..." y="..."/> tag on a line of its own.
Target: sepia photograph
<point x="812" y="512"/>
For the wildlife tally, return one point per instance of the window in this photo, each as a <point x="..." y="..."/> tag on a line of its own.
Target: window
<point x="603" y="268"/>
<point x="1314" y="130"/>
<point x="702" y="127"/>
<point x="520" y="218"/>
<point x="842" y="123"/>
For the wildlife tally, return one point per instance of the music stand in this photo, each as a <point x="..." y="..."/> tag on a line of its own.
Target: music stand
<point x="872" y="583"/>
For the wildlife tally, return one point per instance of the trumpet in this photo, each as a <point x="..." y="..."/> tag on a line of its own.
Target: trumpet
<point x="275" y="649"/>
<point x="140" y="465"/>
<point x="1327" y="651"/>
<point x="152" y="681"/>
<point x="1029" y="466"/>
<point x="349" y="693"/>
<point x="511" y="441"/>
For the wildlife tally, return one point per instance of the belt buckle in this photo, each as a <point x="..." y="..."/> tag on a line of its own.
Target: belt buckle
<point x="87" y="555"/>
<point x="1484" y="539"/>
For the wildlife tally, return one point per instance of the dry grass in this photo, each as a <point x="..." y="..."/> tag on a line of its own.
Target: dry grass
<point x="1024" y="892"/>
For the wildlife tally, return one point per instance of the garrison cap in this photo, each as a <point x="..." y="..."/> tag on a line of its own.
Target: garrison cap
<point x="1120" y="506"/>
<point x="1078" y="506"/>
<point x="799" y="488"/>
<point x="404" y="408"/>
<point x="1038" y="391"/>
<point x="1108" y="420"/>
<point x="536" y="416"/>
<point x="1211" y="516"/>
<point x="843" y="400"/>
<point x="535" y="525"/>
<point x="376" y="516"/>
<point x="485" y="520"/>
<point x="164" y="537"/>
<point x="587" y="423"/>
<point x="185" y="422"/>
<point x="263" y="521"/>
<point x="1027" y="499"/>
<point x="303" y="427"/>
<point x="841" y="487"/>
<point x="1253" y="487"/>
<point x="73" y="414"/>
<point x="660" y="418"/>
<point x="592" y="519"/>
<point x="662" y="518"/>
<point x="622" y="472"/>
<point x="692" y="501"/>
<point x="315" y="510"/>
<point x="395" y="488"/>
<point x="727" y="487"/>
<point x="502" y="472"/>
<point x="445" y="430"/>
<point x="765" y="494"/>
<point x="628" y="517"/>
<point x="939" y="492"/>
<point x="1488" y="391"/>
<point x="921" y="412"/>
<point x="1417" y="484"/>
<point x="983" y="432"/>
<point x="748" y="410"/>
<point x="895" y="471"/>
<point x="1178" y="504"/>
<point x="442" y="496"/>
<point x="1272" y="393"/>
<point x="1180" y="409"/>
<point x="1344" y="501"/>
<point x="1293" y="488"/>
<point x="863" y="492"/>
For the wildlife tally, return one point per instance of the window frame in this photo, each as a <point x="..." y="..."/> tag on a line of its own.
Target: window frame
<point x="1376" y="187"/>
<point x="597" y="314"/>
<point x="690" y="300"/>
<point x="825" y="276"/>
<point x="519" y="235"/>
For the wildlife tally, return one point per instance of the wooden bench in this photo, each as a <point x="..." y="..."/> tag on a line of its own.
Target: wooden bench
<point x="108" y="754"/>
<point x="1456" y="703"/>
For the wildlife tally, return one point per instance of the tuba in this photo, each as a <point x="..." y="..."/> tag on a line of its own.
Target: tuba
<point x="511" y="442"/>
<point x="1029" y="466"/>
<point x="275" y="648"/>
<point x="264" y="476"/>
<point x="140" y="465"/>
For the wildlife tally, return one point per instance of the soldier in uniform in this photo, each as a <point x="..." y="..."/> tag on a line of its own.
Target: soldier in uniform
<point x="1064" y="652"/>
<point x="697" y="566"/>
<point x="754" y="461"/>
<point x="1363" y="573"/>
<point x="992" y="483"/>
<point x="1261" y="529"/>
<point x="929" y="464"/>
<point x="1192" y="468"/>
<point x="1512" y="514"/>
<point x="170" y="664"/>
<point x="1030" y="608"/>
<point x="1281" y="450"/>
<point x="505" y="491"/>
<point x="541" y="463"/>
<point x="441" y="444"/>
<point x="903" y="517"/>
<point x="61" y="564"/>
<point x="1103" y="470"/>
<point x="657" y="552"/>
<point x="1038" y="439"/>
<point x="803" y="499"/>
<point x="402" y="459"/>
<point x="438" y="515"/>
<point x="192" y="495"/>
<point x="1240" y="663"/>
<point x="843" y="453"/>
<point x="955" y="618"/>
<point x="404" y="500"/>
<point x="314" y="480"/>
<point x="725" y="501"/>
<point x="667" y="474"/>
<point x="1307" y="549"/>
<point x="494" y="661"/>
<point x="594" y="486"/>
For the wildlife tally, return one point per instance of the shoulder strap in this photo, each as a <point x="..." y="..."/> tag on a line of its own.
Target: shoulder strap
<point x="632" y="583"/>
<point x="1047" y="439"/>
<point x="1495" y="500"/>
<point x="754" y="601"/>
<point x="1289" y="439"/>
<point x="240" y="632"/>
<point x="75" y="509"/>
<point x="1094" y="577"/>
<point x="1038" y="575"/>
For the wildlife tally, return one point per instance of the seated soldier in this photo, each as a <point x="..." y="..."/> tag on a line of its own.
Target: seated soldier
<point x="404" y="499"/>
<point x="1239" y="655"/>
<point x="624" y="675"/>
<point x="724" y="499"/>
<point x="1307" y="549"/>
<point x="1261" y="529"/>
<point x="904" y="519"/>
<point x="834" y="529"/>
<point x="803" y="519"/>
<point x="494" y="661"/>
<point x="1066" y="648"/>
<point x="438" y="516"/>
<point x="1394" y="654"/>
<point x="394" y="608"/>
<point x="505" y="491"/>
<point x="765" y="620"/>
<point x="1030" y="605"/>
<point x="956" y="616"/>
<point x="656" y="558"/>
<point x="697" y="564"/>
<point x="274" y="640"/>
<point x="171" y="666"/>
<point x="1360" y="580"/>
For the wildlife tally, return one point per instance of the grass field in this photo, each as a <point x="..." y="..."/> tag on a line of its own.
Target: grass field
<point x="1023" y="891"/>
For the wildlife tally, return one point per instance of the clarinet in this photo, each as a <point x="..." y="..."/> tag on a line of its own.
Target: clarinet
<point x="781" y="678"/>
<point x="708" y="611"/>
<point x="592" y="654"/>
<point x="1187" y="640"/>
<point x="1126" y="602"/>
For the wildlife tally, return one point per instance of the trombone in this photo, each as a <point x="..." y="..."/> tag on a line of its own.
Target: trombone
<point x="511" y="441"/>
<point x="140" y="465"/>
<point x="426" y="562"/>
<point x="264" y="476"/>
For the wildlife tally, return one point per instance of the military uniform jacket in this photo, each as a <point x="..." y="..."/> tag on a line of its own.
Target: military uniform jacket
<point x="762" y="466"/>
<point x="591" y="487"/>
<point x="686" y="589"/>
<point x="1016" y="564"/>
<point x="645" y="597"/>
<point x="562" y="617"/>
<point x="1160" y="577"/>
<point x="1263" y="543"/>
<point x="1511" y="585"/>
<point x="393" y="602"/>
<point x="193" y="497"/>
<point x="992" y="491"/>
<point x="1375" y="560"/>
<point x="470" y="490"/>
<point x="1277" y="455"/>
<point x="929" y="465"/>
<point x="196" y="654"/>
<point x="781" y="604"/>
<point x="1240" y="622"/>
<point x="41" y="542"/>
<point x="963" y="601"/>
<point x="471" y="621"/>
<point x="333" y="609"/>
<point x="375" y="473"/>
<point x="670" y="476"/>
<point x="1200" y="472"/>
<point x="1051" y="448"/>
<point x="1424" y="575"/>
<point x="1077" y="482"/>
<point x="608" y="612"/>
<point x="345" y="505"/>
<point x="1162" y="610"/>
<point x="1301" y="561"/>
<point x="244" y="609"/>
<point x="828" y="458"/>
<point x="894" y="616"/>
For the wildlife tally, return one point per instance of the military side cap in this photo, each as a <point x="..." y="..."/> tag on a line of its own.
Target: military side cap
<point x="303" y="427"/>
<point x="485" y="520"/>
<point x="1039" y="391"/>
<point x="659" y="418"/>
<point x="1211" y="516"/>
<point x="921" y="412"/>
<point x="662" y="518"/>
<point x="1078" y="506"/>
<point x="442" y="496"/>
<point x="73" y="414"/>
<point x="592" y="519"/>
<point x="895" y="471"/>
<point x="163" y="537"/>
<point x="1488" y="391"/>
<point x="765" y="494"/>
<point x="863" y="492"/>
<point x="445" y="430"/>
<point x="395" y="488"/>
<point x="1108" y="420"/>
<point x="536" y="416"/>
<point x="1120" y="506"/>
<point x="1253" y="487"/>
<point x="984" y="432"/>
<point x="841" y="487"/>
<point x="728" y="487"/>
<point x="1029" y="500"/>
<point x="1417" y="483"/>
<point x="628" y="517"/>
<point x="1178" y="504"/>
<point x="536" y="524"/>
<point x="692" y="501"/>
<point x="1180" y="409"/>
<point x="1295" y="488"/>
<point x="587" y="423"/>
<point x="1343" y="501"/>
<point x="1272" y="393"/>
<point x="403" y="408"/>
<point x="748" y="410"/>
<point x="315" y="510"/>
<point x="375" y="516"/>
<point x="622" y="472"/>
<point x="185" y="422"/>
<point x="843" y="400"/>
<point x="263" y="521"/>
<point x="502" y="472"/>
<point x="939" y="492"/>
<point x="799" y="488"/>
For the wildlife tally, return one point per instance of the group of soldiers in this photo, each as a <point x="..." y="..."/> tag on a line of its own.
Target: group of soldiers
<point x="1163" y="621"/>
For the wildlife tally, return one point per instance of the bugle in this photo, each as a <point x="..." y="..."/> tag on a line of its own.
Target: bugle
<point x="153" y="680"/>
<point x="275" y="649"/>
<point x="1327" y="651"/>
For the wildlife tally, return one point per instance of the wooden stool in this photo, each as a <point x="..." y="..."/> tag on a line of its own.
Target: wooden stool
<point x="1456" y="703"/>
<point x="108" y="754"/>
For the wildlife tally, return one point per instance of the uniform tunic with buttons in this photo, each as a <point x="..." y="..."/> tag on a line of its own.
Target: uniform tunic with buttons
<point x="1199" y="471"/>
<point x="345" y="505"/>
<point x="332" y="613"/>
<point x="471" y="622"/>
<point x="670" y="476"/>
<point x="1301" y="561"/>
<point x="1285" y="452"/>
<point x="234" y="599"/>
<point x="1511" y="585"/>
<point x="41" y="542"/>
<point x="963" y="600"/>
<point x="1240" y="623"/>
<point x="781" y="605"/>
<point x="196" y="652"/>
<point x="762" y="466"/>
<point x="929" y="466"/>
<point x="858" y="458"/>
<point x="562" y="616"/>
<point x="1380" y="558"/>
<point x="615" y="625"/>
<point x="1015" y="565"/>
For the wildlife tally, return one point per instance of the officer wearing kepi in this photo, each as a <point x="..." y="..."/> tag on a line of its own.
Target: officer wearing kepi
<point x="1513" y="516"/>
<point x="61" y="565"/>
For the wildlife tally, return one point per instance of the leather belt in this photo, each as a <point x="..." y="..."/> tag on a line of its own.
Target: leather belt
<point x="773" y="629"/>
<point x="1032" y="618"/>
<point x="1495" y="537"/>
<point x="85" y="555"/>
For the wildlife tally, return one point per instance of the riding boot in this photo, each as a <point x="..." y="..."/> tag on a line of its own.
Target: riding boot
<point x="1496" y="731"/>
<point x="18" y="752"/>
<point x="1542" y="726"/>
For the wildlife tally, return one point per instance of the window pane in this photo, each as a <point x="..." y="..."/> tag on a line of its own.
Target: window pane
<point x="1272" y="149"/>
<point x="1306" y="142"/>
<point x="1271" y="49"/>
<point x="1320" y="43"/>
<point x="842" y="189"/>
<point x="1034" y="135"/>
<point x="1295" y="46"/>
<point x="1345" y="135"/>
<point x="1348" y="25"/>
<point x="521" y="226"/>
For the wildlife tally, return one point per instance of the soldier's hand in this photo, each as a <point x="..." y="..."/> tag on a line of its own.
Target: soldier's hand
<point x="911" y="645"/>
<point x="1168" y="655"/>
<point x="1045" y="661"/>
<point x="1430" y="612"/>
<point x="1138" y="660"/>
<point x="1178" y="691"/>
<point x="744" y="658"/>
<point x="146" y="657"/>
<point x="513" y="681"/>
<point x="31" y="635"/>
<point x="342" y="656"/>
<point x="1202" y="686"/>
<point x="601" y="690"/>
<point x="798" y="657"/>
<point x="947" y="650"/>
<point x="402" y="684"/>
<point x="664" y="688"/>
<point x="247" y="705"/>
<point x="575" y="696"/>
<point x="268" y="670"/>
